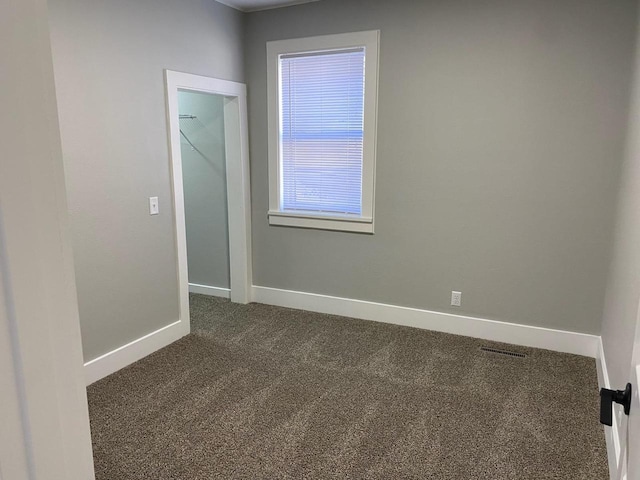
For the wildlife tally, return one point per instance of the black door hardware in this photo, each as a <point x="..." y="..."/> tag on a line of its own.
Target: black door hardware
<point x="623" y="397"/>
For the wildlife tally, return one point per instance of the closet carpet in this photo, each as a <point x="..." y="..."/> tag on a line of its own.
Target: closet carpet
<point x="261" y="392"/>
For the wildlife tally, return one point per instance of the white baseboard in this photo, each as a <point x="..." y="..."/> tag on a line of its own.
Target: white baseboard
<point x="207" y="290"/>
<point x="529" y="336"/>
<point x="612" y="435"/>
<point x="133" y="351"/>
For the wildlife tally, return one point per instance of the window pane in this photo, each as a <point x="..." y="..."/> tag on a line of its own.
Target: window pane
<point x="321" y="135"/>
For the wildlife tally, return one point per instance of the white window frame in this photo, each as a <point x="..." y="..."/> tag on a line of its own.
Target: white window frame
<point x="349" y="223"/>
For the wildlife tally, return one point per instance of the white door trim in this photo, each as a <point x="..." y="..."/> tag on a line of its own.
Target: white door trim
<point x="238" y="190"/>
<point x="44" y="419"/>
<point x="14" y="451"/>
<point x="612" y="436"/>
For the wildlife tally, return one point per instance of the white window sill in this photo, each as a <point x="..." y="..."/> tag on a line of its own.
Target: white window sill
<point x="342" y="223"/>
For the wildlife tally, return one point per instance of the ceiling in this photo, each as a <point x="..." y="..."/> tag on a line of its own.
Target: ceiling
<point x="254" y="5"/>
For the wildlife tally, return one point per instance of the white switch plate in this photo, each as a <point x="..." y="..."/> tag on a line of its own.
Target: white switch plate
<point x="153" y="206"/>
<point x="456" y="298"/>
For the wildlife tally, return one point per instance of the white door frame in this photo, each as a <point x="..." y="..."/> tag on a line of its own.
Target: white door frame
<point x="44" y="419"/>
<point x="238" y="189"/>
<point x="628" y="464"/>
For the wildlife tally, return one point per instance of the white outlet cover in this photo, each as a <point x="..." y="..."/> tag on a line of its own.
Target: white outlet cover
<point x="456" y="298"/>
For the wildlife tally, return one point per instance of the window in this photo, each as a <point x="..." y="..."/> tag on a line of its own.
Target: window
<point x="322" y="131"/>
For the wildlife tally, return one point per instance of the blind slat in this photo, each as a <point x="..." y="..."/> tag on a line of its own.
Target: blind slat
<point x="321" y="131"/>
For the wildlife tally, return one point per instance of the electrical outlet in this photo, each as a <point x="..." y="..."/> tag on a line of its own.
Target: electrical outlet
<point x="456" y="298"/>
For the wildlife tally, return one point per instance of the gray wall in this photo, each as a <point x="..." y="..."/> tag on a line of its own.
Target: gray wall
<point x="205" y="188"/>
<point x="109" y="58"/>
<point x="500" y="134"/>
<point x="623" y="286"/>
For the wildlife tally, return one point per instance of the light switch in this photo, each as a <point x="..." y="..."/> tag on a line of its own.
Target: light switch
<point x="153" y="206"/>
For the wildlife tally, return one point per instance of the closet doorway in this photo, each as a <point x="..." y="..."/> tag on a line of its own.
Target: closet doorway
<point x="207" y="120"/>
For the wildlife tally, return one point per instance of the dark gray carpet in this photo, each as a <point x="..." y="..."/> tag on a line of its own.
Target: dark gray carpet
<point x="260" y="392"/>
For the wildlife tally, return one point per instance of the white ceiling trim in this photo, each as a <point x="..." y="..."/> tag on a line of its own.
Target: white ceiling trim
<point x="247" y="6"/>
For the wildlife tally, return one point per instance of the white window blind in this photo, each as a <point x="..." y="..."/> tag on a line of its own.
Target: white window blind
<point x="321" y="131"/>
